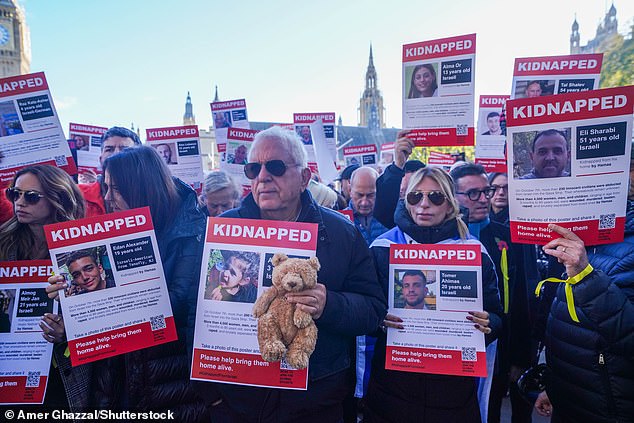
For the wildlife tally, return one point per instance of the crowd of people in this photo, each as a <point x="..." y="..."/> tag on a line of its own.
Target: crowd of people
<point x="589" y="356"/>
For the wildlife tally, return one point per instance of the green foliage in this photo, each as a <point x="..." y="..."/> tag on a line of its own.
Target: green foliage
<point x="618" y="63"/>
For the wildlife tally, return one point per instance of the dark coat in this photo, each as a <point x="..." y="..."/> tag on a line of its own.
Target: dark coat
<point x="395" y="396"/>
<point x="157" y="378"/>
<point x="355" y="305"/>
<point x="387" y="193"/>
<point x="592" y="362"/>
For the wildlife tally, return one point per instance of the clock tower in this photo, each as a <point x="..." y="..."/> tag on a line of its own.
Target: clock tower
<point x="15" y="41"/>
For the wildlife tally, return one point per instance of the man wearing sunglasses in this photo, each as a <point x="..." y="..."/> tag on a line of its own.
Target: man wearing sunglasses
<point x="347" y="301"/>
<point x="112" y="142"/>
<point x="517" y="273"/>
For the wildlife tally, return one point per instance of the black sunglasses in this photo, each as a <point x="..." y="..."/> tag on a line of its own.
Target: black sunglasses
<point x="435" y="197"/>
<point x="474" y="194"/>
<point x="31" y="197"/>
<point x="274" y="167"/>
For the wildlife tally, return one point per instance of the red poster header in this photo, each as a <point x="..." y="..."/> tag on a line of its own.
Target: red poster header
<point x="574" y="64"/>
<point x="387" y="147"/>
<point x="359" y="149"/>
<point x="262" y="233"/>
<point x="238" y="134"/>
<point x="493" y="101"/>
<point x="89" y="129"/>
<point x="25" y="271"/>
<point x="435" y="254"/>
<point x="307" y="118"/>
<point x="608" y="102"/>
<point x="225" y="105"/>
<point x="98" y="227"/>
<point x="173" y="132"/>
<point x="444" y="47"/>
<point x="22" y="84"/>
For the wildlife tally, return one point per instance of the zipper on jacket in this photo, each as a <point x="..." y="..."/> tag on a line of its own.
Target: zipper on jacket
<point x="605" y="377"/>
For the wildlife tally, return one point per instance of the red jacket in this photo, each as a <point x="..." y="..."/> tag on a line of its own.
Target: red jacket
<point x="94" y="200"/>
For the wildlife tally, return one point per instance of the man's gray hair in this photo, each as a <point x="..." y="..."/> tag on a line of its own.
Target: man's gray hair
<point x="289" y="140"/>
<point x="215" y="181"/>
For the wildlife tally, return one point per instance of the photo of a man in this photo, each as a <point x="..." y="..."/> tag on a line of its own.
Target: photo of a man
<point x="549" y="155"/>
<point x="493" y="123"/>
<point x="86" y="273"/>
<point x="304" y="133"/>
<point x="239" y="155"/>
<point x="165" y="151"/>
<point x="415" y="290"/>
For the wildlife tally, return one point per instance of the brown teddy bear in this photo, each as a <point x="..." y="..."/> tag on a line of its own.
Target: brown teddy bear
<point x="283" y="328"/>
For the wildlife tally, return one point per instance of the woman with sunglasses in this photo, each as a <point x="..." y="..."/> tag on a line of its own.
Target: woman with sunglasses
<point x="41" y="195"/>
<point x="428" y="215"/>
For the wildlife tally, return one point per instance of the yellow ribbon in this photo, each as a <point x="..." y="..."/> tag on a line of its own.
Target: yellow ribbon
<point x="67" y="352"/>
<point x="505" y="275"/>
<point x="570" y="301"/>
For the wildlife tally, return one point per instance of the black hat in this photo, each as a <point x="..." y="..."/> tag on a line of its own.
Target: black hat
<point x="347" y="172"/>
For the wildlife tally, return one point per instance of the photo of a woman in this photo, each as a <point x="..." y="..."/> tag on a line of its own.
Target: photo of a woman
<point x="423" y="82"/>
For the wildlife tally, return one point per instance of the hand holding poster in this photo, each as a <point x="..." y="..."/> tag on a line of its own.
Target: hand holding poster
<point x="438" y="91"/>
<point x="30" y="132"/>
<point x="116" y="299"/>
<point x="570" y="157"/>
<point x="25" y="356"/>
<point x="179" y="148"/>
<point x="431" y="288"/>
<point x="236" y="270"/>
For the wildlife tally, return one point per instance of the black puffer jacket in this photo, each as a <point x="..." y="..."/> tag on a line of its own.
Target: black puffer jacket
<point x="157" y="378"/>
<point x="592" y="362"/>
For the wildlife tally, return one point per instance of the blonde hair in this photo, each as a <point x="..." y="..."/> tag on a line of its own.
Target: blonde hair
<point x="446" y="185"/>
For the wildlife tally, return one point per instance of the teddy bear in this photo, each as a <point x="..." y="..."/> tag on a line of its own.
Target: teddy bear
<point x="283" y="328"/>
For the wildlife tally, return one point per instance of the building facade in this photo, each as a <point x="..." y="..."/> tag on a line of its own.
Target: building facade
<point x="15" y="41"/>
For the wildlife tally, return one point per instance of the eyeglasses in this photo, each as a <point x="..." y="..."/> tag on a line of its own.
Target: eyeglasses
<point x="274" y="167"/>
<point x="435" y="197"/>
<point x="474" y="194"/>
<point x="30" y="197"/>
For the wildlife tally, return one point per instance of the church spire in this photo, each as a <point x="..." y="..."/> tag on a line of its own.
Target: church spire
<point x="216" y="95"/>
<point x="188" y="117"/>
<point x="370" y="74"/>
<point x="371" y="104"/>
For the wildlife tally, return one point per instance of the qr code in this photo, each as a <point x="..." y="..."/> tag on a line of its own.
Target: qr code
<point x="157" y="322"/>
<point x="60" y="161"/>
<point x="461" y="130"/>
<point x="469" y="354"/>
<point x="607" y="221"/>
<point x="284" y="365"/>
<point x="33" y="379"/>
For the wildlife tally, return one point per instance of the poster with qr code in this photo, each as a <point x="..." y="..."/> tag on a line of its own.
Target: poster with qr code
<point x="432" y="287"/>
<point x="228" y="114"/>
<point x="570" y="161"/>
<point x="88" y="145"/>
<point x="25" y="356"/>
<point x="115" y="298"/>
<point x="30" y="132"/>
<point x="438" y="91"/>
<point x="237" y="269"/>
<point x="179" y="148"/>
<point x="490" y="145"/>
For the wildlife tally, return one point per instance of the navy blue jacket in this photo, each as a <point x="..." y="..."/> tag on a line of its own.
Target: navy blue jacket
<point x="355" y="305"/>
